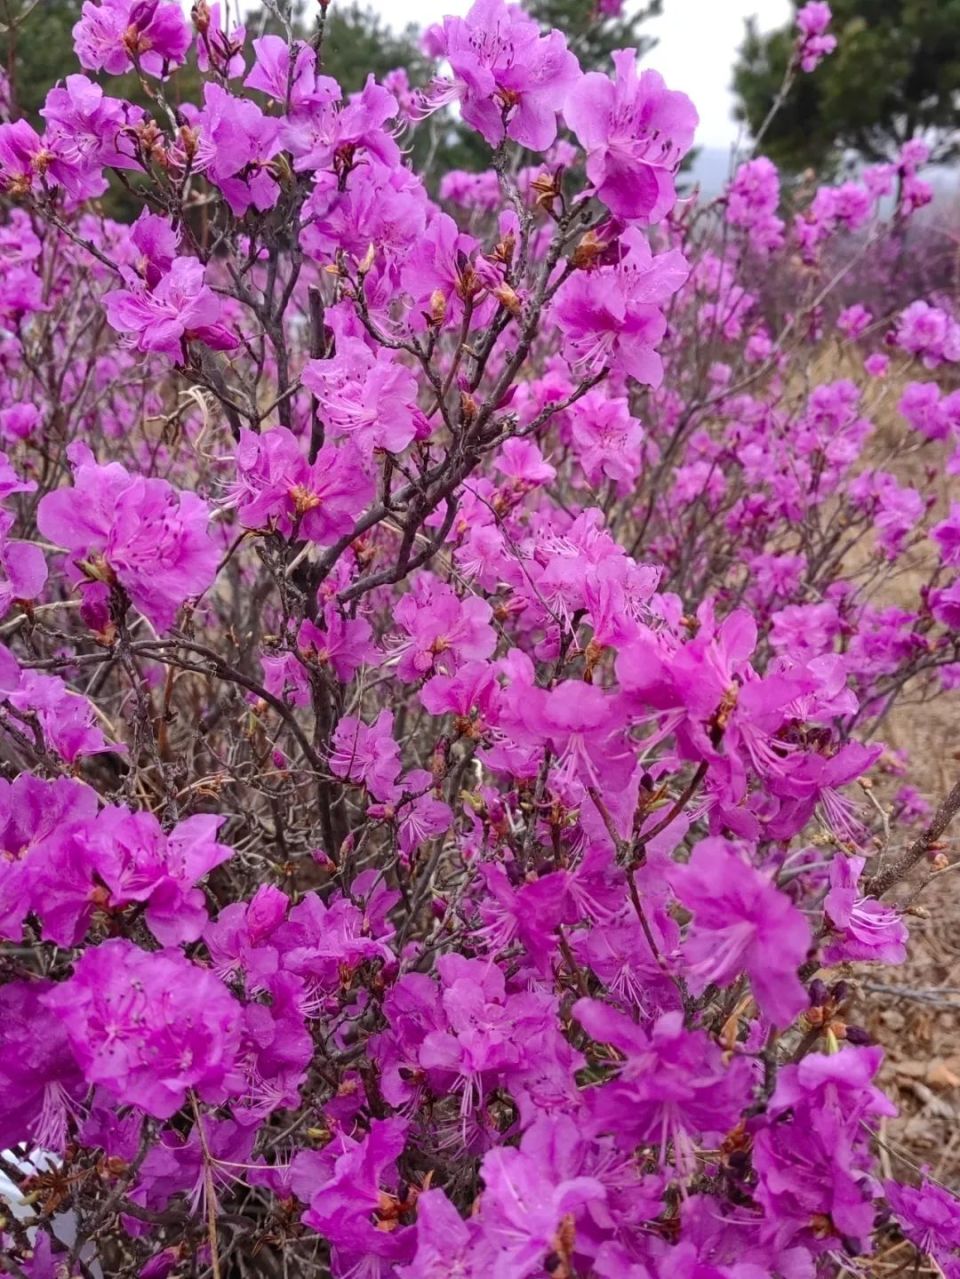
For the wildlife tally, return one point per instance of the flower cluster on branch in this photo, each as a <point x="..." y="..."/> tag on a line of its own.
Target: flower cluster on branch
<point x="447" y="642"/>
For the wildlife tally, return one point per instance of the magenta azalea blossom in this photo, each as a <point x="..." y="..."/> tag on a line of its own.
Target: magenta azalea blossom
<point x="115" y="35"/>
<point x="365" y="396"/>
<point x="612" y="317"/>
<point x="181" y="308"/>
<point x="140" y="533"/>
<point x="40" y="1082"/>
<point x="510" y="80"/>
<point x="741" y="922"/>
<point x="635" y="132"/>
<point x="149" y="1027"/>
<point x="865" y="928"/>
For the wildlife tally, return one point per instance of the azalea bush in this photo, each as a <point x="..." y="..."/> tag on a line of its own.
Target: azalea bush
<point x="446" y="647"/>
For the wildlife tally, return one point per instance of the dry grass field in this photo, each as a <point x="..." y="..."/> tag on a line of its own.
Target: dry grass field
<point x="914" y="1012"/>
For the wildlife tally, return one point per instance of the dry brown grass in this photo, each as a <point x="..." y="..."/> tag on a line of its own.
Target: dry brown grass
<point x="914" y="1011"/>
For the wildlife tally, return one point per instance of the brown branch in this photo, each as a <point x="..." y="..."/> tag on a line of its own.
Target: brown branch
<point x="921" y="846"/>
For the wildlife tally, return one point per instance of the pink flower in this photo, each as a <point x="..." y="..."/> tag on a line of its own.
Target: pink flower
<point x="741" y="922"/>
<point x="752" y="201"/>
<point x="25" y="158"/>
<point x="19" y="421"/>
<point x="40" y="1082"/>
<point x="367" y="754"/>
<point x="611" y="316"/>
<point x="331" y="134"/>
<point x="853" y="321"/>
<point x="607" y="440"/>
<point x="215" y="47"/>
<point x="364" y="395"/>
<point x="115" y="35"/>
<point x="866" y="928"/>
<point x="929" y="333"/>
<point x="635" y="132"/>
<point x="510" y="80"/>
<point x="23" y="569"/>
<point x="139" y="533"/>
<point x="273" y="74"/>
<point x="344" y="644"/>
<point x="138" y="862"/>
<point x="85" y="131"/>
<point x="522" y="461"/>
<point x="524" y="1207"/>
<point x="670" y="1084"/>
<point x="147" y="1027"/>
<point x="244" y="142"/>
<point x="439" y="631"/>
<point x="924" y="409"/>
<point x="276" y="483"/>
<point x="814" y="44"/>
<point x="181" y="308"/>
<point x="946" y="534"/>
<point x="929" y="1215"/>
<point x="65" y="718"/>
<point x="34" y="816"/>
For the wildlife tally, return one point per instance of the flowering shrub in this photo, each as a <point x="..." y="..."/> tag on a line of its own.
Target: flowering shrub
<point x="447" y="644"/>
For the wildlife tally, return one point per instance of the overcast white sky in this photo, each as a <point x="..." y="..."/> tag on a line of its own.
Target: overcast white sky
<point x="698" y="41"/>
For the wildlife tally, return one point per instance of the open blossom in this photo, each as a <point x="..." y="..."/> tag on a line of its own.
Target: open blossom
<point x="352" y="1180"/>
<point x="929" y="1216"/>
<point x="752" y="201"/>
<point x="365" y="395"/>
<point x="439" y="631"/>
<point x="147" y="1027"/>
<point x="65" y="717"/>
<point x="180" y="308"/>
<point x="524" y="1207"/>
<point x="40" y="1082"/>
<point x="510" y="80"/>
<point x="635" y="132"/>
<point x="611" y="317"/>
<point x="139" y="533"/>
<point x="811" y="1153"/>
<point x="280" y="69"/>
<point x="85" y="133"/>
<point x="333" y="134"/>
<point x="669" y="1084"/>
<point x="138" y="862"/>
<point x="607" y="439"/>
<point x="23" y="568"/>
<point x="115" y="35"/>
<point x="244" y="141"/>
<point x="35" y="816"/>
<point x="26" y="161"/>
<point x="367" y="753"/>
<point x="865" y="928"/>
<point x="741" y="922"/>
<point x="929" y="333"/>
<point x="342" y="644"/>
<point x="113" y="859"/>
<point x="946" y="534"/>
<point x="277" y="485"/>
